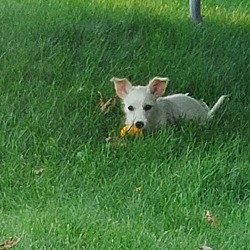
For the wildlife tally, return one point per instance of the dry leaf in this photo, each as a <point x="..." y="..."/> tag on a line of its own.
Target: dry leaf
<point x="205" y="248"/>
<point x="115" y="141"/>
<point x="9" y="244"/>
<point x="80" y="89"/>
<point x="38" y="171"/>
<point x="211" y="219"/>
<point x="108" y="105"/>
<point x="138" y="189"/>
<point x="111" y="139"/>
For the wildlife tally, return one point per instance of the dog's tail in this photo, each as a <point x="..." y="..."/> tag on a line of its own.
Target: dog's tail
<point x="216" y="106"/>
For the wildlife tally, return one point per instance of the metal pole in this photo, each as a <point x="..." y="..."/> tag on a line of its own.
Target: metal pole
<point x="195" y="11"/>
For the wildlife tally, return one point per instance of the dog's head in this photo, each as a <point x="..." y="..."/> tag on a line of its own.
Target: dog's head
<point x="139" y="101"/>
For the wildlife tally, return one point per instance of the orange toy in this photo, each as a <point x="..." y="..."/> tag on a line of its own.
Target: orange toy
<point x="131" y="130"/>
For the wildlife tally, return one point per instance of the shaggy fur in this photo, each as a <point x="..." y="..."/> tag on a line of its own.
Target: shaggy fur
<point x="145" y="107"/>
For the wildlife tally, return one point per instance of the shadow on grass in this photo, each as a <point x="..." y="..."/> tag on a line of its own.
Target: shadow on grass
<point x="85" y="45"/>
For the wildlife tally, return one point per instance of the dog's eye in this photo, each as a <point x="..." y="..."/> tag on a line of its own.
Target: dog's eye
<point x="147" y="107"/>
<point x="131" y="108"/>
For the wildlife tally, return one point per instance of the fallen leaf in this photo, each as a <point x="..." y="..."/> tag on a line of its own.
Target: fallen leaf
<point x="108" y="105"/>
<point x="138" y="189"/>
<point x="205" y="248"/>
<point x="115" y="141"/>
<point x="80" y="89"/>
<point x="38" y="171"/>
<point x="9" y="244"/>
<point x="212" y="220"/>
<point x="111" y="139"/>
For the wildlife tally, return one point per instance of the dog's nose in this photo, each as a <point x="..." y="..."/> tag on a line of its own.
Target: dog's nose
<point x="139" y="125"/>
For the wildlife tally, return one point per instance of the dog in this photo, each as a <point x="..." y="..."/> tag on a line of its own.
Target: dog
<point x="146" y="108"/>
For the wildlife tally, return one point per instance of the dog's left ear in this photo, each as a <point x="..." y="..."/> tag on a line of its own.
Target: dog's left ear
<point x="157" y="86"/>
<point x="122" y="86"/>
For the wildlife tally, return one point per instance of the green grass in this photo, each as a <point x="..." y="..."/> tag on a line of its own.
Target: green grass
<point x="145" y="194"/>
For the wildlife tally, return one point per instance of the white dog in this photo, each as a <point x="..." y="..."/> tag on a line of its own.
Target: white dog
<point x="145" y="107"/>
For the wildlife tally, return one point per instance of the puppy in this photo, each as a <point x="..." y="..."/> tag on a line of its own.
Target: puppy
<point x="145" y="107"/>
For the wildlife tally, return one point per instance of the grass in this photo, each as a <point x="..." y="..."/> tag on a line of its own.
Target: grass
<point x="147" y="194"/>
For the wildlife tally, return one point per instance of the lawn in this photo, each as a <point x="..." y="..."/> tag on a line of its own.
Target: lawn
<point x="62" y="186"/>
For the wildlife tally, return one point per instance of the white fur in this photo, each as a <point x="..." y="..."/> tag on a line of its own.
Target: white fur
<point x="152" y="110"/>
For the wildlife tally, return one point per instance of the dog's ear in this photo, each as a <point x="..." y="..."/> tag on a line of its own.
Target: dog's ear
<point x="157" y="86"/>
<point x="122" y="86"/>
